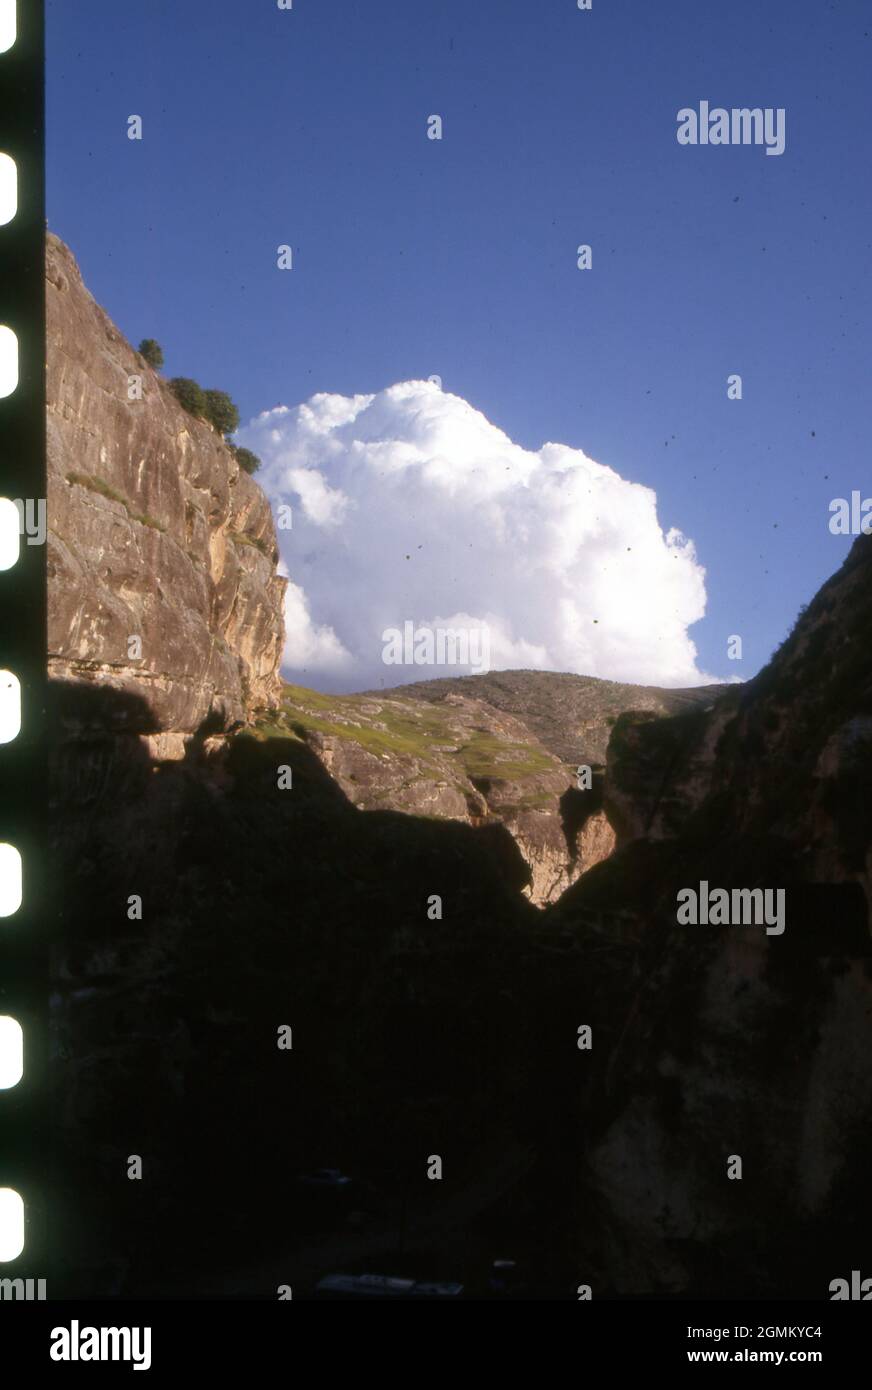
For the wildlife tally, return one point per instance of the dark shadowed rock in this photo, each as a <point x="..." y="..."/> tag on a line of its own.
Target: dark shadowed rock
<point x="722" y="1040"/>
<point x="787" y="754"/>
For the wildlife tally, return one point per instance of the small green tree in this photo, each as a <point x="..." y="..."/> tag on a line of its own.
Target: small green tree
<point x="247" y="460"/>
<point x="189" y="395"/>
<point x="152" y="352"/>
<point x="221" y="412"/>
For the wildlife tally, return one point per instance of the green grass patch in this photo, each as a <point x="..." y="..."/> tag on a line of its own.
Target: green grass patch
<point x="240" y="538"/>
<point x="146" y="520"/>
<point x="488" y="756"/>
<point x="371" y="739"/>
<point x="94" y="484"/>
<point x="298" y="695"/>
<point x="393" y="728"/>
<point x="266" y="729"/>
<point x="99" y="485"/>
<point x="379" y="728"/>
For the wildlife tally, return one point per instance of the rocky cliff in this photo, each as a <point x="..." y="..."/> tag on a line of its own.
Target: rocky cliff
<point x="162" y="568"/>
<point x="502" y="748"/>
<point x="161" y="551"/>
<point x="787" y="755"/>
<point x="205" y="902"/>
<point x="723" y="1042"/>
<point x="455" y="758"/>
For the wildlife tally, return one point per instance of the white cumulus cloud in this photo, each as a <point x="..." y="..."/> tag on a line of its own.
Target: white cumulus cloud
<point x="409" y="506"/>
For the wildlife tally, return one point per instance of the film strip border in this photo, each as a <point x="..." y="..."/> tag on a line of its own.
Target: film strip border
<point x="25" y="913"/>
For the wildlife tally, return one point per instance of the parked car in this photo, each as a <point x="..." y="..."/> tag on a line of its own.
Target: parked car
<point x="362" y="1286"/>
<point x="330" y="1178"/>
<point x="384" y="1286"/>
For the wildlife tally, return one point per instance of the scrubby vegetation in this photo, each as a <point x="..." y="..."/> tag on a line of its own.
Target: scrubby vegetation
<point x="218" y="410"/>
<point x="214" y="406"/>
<point x="240" y="538"/>
<point x="190" y="395"/>
<point x="395" y="727"/>
<point x="247" y="461"/>
<point x="152" y="352"/>
<point x="99" y="485"/>
<point x="221" y="412"/>
<point x="570" y="714"/>
<point x="94" y="484"/>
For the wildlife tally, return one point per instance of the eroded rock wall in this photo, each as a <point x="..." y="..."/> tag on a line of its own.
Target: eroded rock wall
<point x="154" y="533"/>
<point x="714" y="1042"/>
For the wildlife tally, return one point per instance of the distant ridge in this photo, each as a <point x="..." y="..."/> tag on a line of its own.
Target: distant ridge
<point x="571" y="715"/>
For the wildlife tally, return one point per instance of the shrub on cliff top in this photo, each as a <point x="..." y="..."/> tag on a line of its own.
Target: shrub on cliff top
<point x="152" y="352"/>
<point x="190" y="395"/>
<point x="221" y="412"/>
<point x="246" y="459"/>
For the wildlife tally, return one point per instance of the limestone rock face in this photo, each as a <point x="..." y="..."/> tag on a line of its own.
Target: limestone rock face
<point x="455" y="759"/>
<point x="595" y="841"/>
<point x="502" y="747"/>
<point x="154" y="533"/>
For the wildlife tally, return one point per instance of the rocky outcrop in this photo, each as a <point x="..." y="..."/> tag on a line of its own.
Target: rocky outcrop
<point x="659" y="769"/>
<point x="716" y="1043"/>
<point x="502" y="747"/>
<point x="789" y="754"/>
<point x="457" y="758"/>
<point x="161" y="551"/>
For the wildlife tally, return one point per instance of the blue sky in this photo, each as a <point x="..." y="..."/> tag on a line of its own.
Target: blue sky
<point x="457" y="257"/>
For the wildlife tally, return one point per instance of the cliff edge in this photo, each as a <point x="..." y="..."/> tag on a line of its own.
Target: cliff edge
<point x="154" y="533"/>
